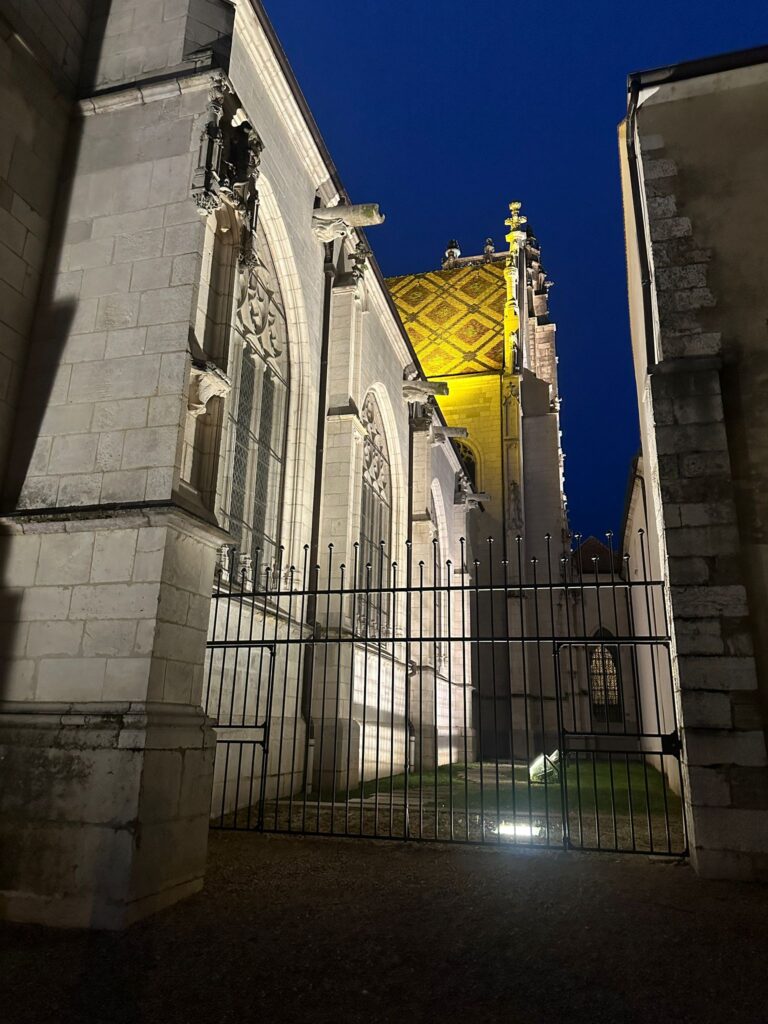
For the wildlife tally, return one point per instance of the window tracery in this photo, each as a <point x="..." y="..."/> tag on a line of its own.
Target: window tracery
<point x="375" y="522"/>
<point x="257" y="414"/>
<point x="604" y="690"/>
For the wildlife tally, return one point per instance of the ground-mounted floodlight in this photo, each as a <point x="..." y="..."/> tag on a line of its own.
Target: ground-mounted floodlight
<point x="545" y="768"/>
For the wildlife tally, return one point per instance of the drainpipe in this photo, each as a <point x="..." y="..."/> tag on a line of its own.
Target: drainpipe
<point x="329" y="272"/>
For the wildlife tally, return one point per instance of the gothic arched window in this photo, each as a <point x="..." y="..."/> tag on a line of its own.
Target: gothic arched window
<point x="469" y="462"/>
<point x="440" y="580"/>
<point x="604" y="684"/>
<point x="258" y="409"/>
<point x="375" y="521"/>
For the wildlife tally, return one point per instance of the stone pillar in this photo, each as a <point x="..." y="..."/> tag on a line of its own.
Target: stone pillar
<point x="106" y="556"/>
<point x="724" y="747"/>
<point x="101" y="730"/>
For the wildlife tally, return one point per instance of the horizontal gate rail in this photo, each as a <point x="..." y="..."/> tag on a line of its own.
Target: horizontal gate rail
<point x="516" y="701"/>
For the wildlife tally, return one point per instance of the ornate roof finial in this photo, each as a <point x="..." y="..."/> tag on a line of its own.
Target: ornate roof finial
<point x="514" y="222"/>
<point x="452" y="253"/>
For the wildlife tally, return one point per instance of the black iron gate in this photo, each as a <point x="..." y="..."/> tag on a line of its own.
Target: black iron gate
<point x="524" y="701"/>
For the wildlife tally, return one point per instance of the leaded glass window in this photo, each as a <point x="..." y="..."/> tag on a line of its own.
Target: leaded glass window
<point x="604" y="689"/>
<point x="375" y="524"/>
<point x="257" y="411"/>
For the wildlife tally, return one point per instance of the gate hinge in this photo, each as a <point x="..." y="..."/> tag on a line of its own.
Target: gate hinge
<point x="670" y="744"/>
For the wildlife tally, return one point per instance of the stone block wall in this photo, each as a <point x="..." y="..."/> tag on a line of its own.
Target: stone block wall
<point x="39" y="63"/>
<point x="691" y="489"/>
<point x="104" y="629"/>
<point x="112" y="338"/>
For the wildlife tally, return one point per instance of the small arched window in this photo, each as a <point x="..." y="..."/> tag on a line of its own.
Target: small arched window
<point x="258" y="410"/>
<point x="604" y="681"/>
<point x="375" y="522"/>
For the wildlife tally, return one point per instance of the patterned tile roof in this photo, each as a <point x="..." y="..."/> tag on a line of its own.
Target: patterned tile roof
<point x="454" y="317"/>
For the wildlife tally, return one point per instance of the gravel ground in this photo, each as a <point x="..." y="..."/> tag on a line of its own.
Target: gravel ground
<point x="333" y="930"/>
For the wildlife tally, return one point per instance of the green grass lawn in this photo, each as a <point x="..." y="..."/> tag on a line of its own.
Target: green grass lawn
<point x="616" y="787"/>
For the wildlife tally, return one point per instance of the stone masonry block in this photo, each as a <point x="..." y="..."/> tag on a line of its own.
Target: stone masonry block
<point x="692" y="276"/>
<point x="115" y="601"/>
<point x="79" y="489"/>
<point x="126" y="678"/>
<point x="701" y="437"/>
<point x="40" y="604"/>
<point x="710" y="514"/>
<point x="732" y="829"/>
<point x="113" y="556"/>
<point x="747" y="710"/>
<point x="73" y="453"/>
<point x="129" y="342"/>
<point x="149" y="274"/>
<point x="699" y="602"/>
<point x="105" y="280"/>
<point x="659" y="168"/>
<point x="150" y="447"/>
<point x="128" y="412"/>
<point x="708" y="747"/>
<point x="115" y="379"/>
<point x="64" y="559"/>
<point x="70" y="679"/>
<point x="676" y="345"/>
<point x="711" y="464"/>
<point x="749" y="787"/>
<point x="704" y="709"/>
<point x="126" y="485"/>
<point x="54" y="638"/>
<point x="166" y="305"/>
<point x="671" y="227"/>
<point x="699" y="409"/>
<point x="709" y="787"/>
<point x="699" y="637"/>
<point x="140" y="245"/>
<point x="703" y="540"/>
<point x="116" y="311"/>
<point x="109" y="638"/>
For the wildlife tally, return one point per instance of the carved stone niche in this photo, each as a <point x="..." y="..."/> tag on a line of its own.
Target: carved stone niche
<point x="229" y="158"/>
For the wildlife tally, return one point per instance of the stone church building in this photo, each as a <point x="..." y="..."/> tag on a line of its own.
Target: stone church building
<point x="212" y="400"/>
<point x="204" y="368"/>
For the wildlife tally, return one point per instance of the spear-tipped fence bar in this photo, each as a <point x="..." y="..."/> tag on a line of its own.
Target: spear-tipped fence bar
<point x="517" y="701"/>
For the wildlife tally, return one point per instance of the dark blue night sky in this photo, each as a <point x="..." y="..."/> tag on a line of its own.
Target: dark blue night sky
<point x="443" y="111"/>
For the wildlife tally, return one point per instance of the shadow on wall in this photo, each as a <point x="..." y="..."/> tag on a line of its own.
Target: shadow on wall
<point x="47" y="340"/>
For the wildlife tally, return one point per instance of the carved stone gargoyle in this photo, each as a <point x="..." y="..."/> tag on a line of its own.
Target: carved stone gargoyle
<point x="207" y="381"/>
<point x="330" y="222"/>
<point x="441" y="434"/>
<point x="420" y="390"/>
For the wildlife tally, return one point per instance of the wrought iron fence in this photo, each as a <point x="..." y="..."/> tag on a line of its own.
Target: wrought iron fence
<point x="492" y="700"/>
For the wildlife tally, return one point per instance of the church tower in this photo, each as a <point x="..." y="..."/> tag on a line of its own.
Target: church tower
<point x="481" y="325"/>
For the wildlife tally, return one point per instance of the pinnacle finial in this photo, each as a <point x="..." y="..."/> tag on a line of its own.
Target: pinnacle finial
<point x="514" y="222"/>
<point x="452" y="253"/>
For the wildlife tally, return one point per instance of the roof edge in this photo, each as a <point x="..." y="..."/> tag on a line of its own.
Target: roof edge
<point x="698" y="68"/>
<point x="293" y="85"/>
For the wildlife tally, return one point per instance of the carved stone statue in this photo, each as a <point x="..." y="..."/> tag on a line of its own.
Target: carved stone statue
<point x="207" y="382"/>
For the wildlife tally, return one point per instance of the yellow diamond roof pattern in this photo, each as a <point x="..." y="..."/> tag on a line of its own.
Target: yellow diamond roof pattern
<point x="454" y="317"/>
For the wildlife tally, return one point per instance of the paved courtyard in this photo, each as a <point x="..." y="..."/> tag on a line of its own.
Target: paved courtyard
<point x="318" y="930"/>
